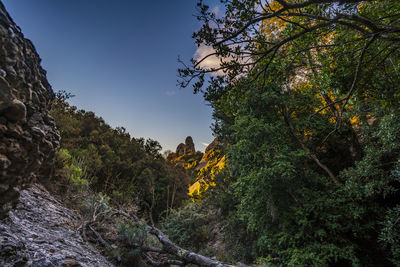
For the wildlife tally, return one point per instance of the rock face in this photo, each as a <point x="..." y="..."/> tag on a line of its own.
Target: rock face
<point x="180" y="150"/>
<point x="41" y="232"/>
<point x="189" y="146"/>
<point x="211" y="164"/>
<point x="28" y="136"/>
<point x="208" y="153"/>
<point x="214" y="144"/>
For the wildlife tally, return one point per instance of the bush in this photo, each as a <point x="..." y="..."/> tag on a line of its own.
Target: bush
<point x="132" y="238"/>
<point x="190" y="227"/>
<point x="75" y="170"/>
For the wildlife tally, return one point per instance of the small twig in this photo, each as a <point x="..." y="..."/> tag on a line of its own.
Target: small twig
<point x="327" y="106"/>
<point x="356" y="74"/>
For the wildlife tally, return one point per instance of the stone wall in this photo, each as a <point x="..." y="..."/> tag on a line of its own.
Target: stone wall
<point x="28" y="136"/>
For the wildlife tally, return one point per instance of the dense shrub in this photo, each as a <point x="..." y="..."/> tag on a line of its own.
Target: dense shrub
<point x="190" y="227"/>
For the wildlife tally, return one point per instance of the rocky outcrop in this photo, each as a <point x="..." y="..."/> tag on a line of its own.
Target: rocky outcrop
<point x="211" y="147"/>
<point x="185" y="148"/>
<point x="28" y="136"/>
<point x="210" y="166"/>
<point x="42" y="232"/>
<point x="208" y="153"/>
<point x="180" y="150"/>
<point x="189" y="146"/>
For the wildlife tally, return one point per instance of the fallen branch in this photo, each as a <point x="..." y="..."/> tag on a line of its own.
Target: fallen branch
<point x="152" y="262"/>
<point x="103" y="242"/>
<point x="168" y="247"/>
<point x="99" y="238"/>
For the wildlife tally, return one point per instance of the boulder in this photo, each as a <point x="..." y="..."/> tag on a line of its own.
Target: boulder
<point x="15" y="111"/>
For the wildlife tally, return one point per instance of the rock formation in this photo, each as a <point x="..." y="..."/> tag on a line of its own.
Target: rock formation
<point x="28" y="136"/>
<point x="189" y="146"/>
<point x="180" y="150"/>
<point x="214" y="144"/>
<point x="211" y="164"/>
<point x="42" y="232"/>
<point x="186" y="148"/>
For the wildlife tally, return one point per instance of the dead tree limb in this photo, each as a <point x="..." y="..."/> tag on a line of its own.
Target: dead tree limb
<point x="168" y="247"/>
<point x="99" y="238"/>
<point x="152" y="262"/>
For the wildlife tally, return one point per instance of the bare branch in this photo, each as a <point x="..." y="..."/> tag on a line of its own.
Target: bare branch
<point x="357" y="72"/>
<point x="164" y="263"/>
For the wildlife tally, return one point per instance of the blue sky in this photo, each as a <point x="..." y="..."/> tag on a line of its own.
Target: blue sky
<point x="120" y="60"/>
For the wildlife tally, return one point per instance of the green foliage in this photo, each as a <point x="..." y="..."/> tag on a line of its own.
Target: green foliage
<point x="76" y="170"/>
<point x="313" y="130"/>
<point x="96" y="206"/>
<point x="125" y="168"/>
<point x="299" y="216"/>
<point x="132" y="239"/>
<point x="390" y="233"/>
<point x="132" y="235"/>
<point x="189" y="227"/>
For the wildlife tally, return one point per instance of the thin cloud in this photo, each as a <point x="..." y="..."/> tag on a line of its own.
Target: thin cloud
<point x="211" y="62"/>
<point x="205" y="144"/>
<point x="215" y="10"/>
<point x="171" y="92"/>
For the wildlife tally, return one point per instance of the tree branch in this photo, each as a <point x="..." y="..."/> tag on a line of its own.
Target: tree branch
<point x="170" y="248"/>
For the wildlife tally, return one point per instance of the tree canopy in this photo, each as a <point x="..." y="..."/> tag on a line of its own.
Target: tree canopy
<point x="306" y="93"/>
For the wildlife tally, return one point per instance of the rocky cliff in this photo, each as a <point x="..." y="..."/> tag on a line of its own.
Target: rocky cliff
<point x="28" y="136"/>
<point x="202" y="168"/>
<point x="210" y="166"/>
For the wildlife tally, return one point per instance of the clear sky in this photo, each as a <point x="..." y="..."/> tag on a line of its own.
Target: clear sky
<point x="120" y="60"/>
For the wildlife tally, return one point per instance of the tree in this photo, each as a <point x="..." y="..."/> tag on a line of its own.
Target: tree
<point x="307" y="95"/>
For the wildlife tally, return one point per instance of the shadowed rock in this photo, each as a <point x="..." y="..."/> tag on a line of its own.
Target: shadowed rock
<point x="186" y="148"/>
<point x="189" y="145"/>
<point x="180" y="150"/>
<point x="27" y="144"/>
